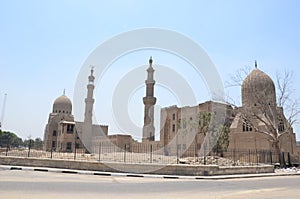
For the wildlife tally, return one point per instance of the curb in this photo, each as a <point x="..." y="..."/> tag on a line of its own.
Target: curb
<point x="133" y="175"/>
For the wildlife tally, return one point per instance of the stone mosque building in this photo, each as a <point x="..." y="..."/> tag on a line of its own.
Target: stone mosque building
<point x="259" y="98"/>
<point x="258" y="94"/>
<point x="62" y="133"/>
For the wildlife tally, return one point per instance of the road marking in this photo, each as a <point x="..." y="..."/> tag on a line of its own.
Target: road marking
<point x="82" y="172"/>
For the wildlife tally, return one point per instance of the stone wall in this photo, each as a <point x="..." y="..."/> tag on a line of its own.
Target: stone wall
<point x="189" y="170"/>
<point x="260" y="141"/>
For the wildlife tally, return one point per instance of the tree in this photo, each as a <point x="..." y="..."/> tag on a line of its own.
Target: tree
<point x="29" y="143"/>
<point x="222" y="140"/>
<point x="204" y="122"/>
<point x="217" y="133"/>
<point x="203" y="125"/>
<point x="9" y="139"/>
<point x="38" y="143"/>
<point x="236" y="79"/>
<point x="285" y="91"/>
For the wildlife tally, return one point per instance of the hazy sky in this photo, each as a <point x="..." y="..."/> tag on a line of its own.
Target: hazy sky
<point x="43" y="45"/>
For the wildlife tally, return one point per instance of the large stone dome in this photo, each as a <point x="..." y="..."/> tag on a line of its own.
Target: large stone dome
<point x="62" y="105"/>
<point x="258" y="88"/>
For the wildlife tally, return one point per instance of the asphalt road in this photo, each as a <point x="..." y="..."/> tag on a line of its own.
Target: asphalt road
<point x="33" y="184"/>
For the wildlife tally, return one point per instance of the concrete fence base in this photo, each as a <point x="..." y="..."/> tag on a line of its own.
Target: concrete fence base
<point x="173" y="169"/>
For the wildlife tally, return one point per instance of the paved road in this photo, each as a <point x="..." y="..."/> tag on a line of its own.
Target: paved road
<point x="31" y="185"/>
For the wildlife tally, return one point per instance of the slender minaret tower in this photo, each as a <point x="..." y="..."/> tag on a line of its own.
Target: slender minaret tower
<point x="149" y="102"/>
<point x="89" y="101"/>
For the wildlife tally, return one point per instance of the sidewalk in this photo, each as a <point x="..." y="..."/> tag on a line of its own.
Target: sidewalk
<point x="82" y="172"/>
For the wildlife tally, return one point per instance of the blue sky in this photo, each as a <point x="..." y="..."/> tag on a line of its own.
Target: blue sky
<point x="43" y="45"/>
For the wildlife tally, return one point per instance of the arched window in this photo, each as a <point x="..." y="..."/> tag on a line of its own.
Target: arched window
<point x="246" y="126"/>
<point x="70" y="128"/>
<point x="179" y="124"/>
<point x="281" y="125"/>
<point x="173" y="127"/>
<point x="184" y="123"/>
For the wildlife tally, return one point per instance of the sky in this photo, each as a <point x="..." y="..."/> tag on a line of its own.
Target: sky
<point x="44" y="44"/>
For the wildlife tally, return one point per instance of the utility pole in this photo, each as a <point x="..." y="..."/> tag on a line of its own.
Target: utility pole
<point x="3" y="111"/>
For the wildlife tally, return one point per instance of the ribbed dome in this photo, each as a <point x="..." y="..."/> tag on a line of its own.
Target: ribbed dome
<point x="257" y="87"/>
<point x="62" y="105"/>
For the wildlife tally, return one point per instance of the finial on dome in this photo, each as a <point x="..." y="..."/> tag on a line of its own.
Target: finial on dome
<point x="150" y="60"/>
<point x="64" y="92"/>
<point x="92" y="69"/>
<point x="255" y="64"/>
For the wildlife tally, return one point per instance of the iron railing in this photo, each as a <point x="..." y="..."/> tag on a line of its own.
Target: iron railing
<point x="156" y="155"/>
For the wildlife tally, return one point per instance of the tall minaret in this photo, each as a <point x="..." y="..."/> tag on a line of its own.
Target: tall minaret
<point x="149" y="102"/>
<point x="89" y="101"/>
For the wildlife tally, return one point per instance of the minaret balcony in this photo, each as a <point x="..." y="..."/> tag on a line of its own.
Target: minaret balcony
<point x="149" y="100"/>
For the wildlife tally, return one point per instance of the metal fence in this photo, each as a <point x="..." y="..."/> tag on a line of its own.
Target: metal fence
<point x="154" y="155"/>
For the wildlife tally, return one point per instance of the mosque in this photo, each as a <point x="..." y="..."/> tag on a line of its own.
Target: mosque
<point x="62" y="132"/>
<point x="246" y="131"/>
<point x="249" y="126"/>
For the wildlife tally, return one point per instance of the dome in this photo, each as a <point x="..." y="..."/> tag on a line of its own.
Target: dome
<point x="258" y="87"/>
<point x="62" y="105"/>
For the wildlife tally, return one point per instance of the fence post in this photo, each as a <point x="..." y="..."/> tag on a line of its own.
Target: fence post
<point x="51" y="152"/>
<point x="177" y="158"/>
<point x="263" y="156"/>
<point x="7" y="147"/>
<point x="204" y="161"/>
<point x="218" y="155"/>
<point x="234" y="158"/>
<point x="283" y="161"/>
<point x="150" y="153"/>
<point x="99" y="151"/>
<point x="29" y="147"/>
<point x="249" y="156"/>
<point x="75" y="151"/>
<point x="256" y="154"/>
<point x="125" y="153"/>
<point x="195" y="152"/>
<point x="289" y="160"/>
<point x="6" y="151"/>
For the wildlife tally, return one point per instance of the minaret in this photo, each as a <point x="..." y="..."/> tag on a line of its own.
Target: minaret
<point x="149" y="102"/>
<point x="89" y="101"/>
